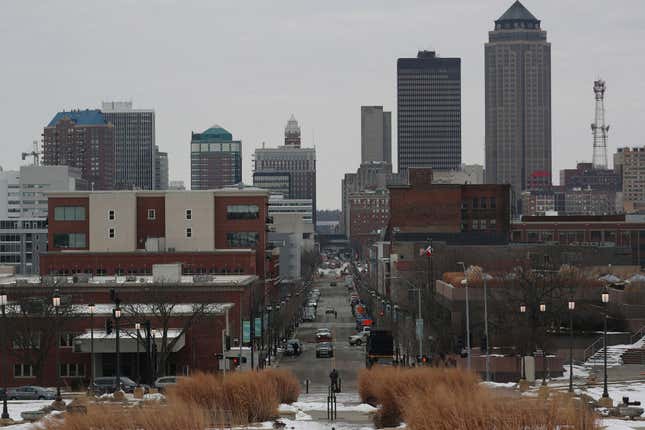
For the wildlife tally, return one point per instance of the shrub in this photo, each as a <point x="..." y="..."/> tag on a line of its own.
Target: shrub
<point x="288" y="387"/>
<point x="430" y="398"/>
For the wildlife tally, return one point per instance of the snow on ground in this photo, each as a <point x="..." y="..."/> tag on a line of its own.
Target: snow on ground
<point x="614" y="424"/>
<point x="579" y="372"/>
<point x="499" y="384"/>
<point x="16" y="407"/>
<point x="322" y="406"/>
<point x="633" y="390"/>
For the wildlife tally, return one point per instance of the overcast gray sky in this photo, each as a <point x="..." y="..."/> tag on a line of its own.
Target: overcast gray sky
<point x="248" y="65"/>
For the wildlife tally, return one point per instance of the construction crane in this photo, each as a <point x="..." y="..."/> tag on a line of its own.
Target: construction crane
<point x="598" y="127"/>
<point x="34" y="153"/>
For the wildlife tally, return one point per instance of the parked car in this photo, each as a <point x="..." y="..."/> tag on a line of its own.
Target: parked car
<point x="108" y="384"/>
<point x="291" y="348"/>
<point x="324" y="349"/>
<point x="332" y="284"/>
<point x="330" y="310"/>
<point x="31" y="392"/>
<point x="359" y="338"/>
<point x="166" y="381"/>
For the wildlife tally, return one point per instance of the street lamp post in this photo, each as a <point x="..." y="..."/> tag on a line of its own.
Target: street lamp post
<point x="464" y="282"/>
<point x="523" y="365"/>
<point x="484" y="276"/>
<point x="5" y="353"/>
<point x="92" y="309"/>
<point x="137" y="327"/>
<point x="543" y="310"/>
<point x="56" y="304"/>
<point x="605" y="300"/>
<point x="117" y="316"/>
<point x="572" y="306"/>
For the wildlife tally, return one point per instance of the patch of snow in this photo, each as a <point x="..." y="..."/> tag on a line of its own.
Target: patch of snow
<point x="154" y="396"/>
<point x="320" y="406"/>
<point x="633" y="390"/>
<point x="580" y="372"/>
<point x="287" y="408"/>
<point x="615" y="424"/>
<point x="499" y="384"/>
<point x="301" y="416"/>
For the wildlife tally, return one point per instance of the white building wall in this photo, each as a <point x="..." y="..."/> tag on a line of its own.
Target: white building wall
<point x="124" y="205"/>
<point x="202" y="222"/>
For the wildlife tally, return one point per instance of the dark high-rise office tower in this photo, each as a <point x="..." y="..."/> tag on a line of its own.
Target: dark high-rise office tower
<point x="518" y="102"/>
<point x="134" y="139"/>
<point x="82" y="139"/>
<point x="376" y="135"/>
<point x="161" y="170"/>
<point x="429" y="112"/>
<point x="215" y="159"/>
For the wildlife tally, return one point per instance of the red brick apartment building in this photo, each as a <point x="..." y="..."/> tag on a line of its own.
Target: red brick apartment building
<point x="192" y="339"/>
<point x="126" y="232"/>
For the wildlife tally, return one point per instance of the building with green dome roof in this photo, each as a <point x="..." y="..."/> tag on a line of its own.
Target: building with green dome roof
<point x="215" y="159"/>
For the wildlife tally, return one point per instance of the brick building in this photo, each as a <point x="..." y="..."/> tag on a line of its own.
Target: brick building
<point x="478" y="212"/>
<point x="186" y="315"/>
<point x="82" y="139"/>
<point x="620" y="231"/>
<point x="369" y="212"/>
<point x="215" y="159"/>
<point x="126" y="232"/>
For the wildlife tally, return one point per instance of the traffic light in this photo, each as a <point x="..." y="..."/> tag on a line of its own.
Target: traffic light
<point x="235" y="362"/>
<point x="108" y="326"/>
<point x="483" y="344"/>
<point x="424" y="359"/>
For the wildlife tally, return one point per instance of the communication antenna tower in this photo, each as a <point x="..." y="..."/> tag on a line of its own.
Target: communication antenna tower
<point x="598" y="127"/>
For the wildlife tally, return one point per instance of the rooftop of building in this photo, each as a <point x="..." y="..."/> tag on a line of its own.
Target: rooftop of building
<point x="245" y="190"/>
<point x="215" y="132"/>
<point x="80" y="117"/>
<point x="132" y="280"/>
<point x="517" y="12"/>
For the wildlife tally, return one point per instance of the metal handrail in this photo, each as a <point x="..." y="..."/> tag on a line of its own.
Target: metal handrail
<point x="638" y="335"/>
<point x="592" y="349"/>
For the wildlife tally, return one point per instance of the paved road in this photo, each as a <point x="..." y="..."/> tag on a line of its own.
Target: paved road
<point x="347" y="359"/>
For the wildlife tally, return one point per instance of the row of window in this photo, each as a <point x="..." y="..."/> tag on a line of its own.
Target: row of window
<point x="481" y="203"/>
<point x="67" y="370"/>
<point x="77" y="213"/>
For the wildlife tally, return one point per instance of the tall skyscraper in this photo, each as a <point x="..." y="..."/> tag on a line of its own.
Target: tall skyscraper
<point x="429" y="112"/>
<point x="299" y="163"/>
<point x="376" y="134"/>
<point x="215" y="159"/>
<point x="161" y="170"/>
<point x="83" y="139"/>
<point x="518" y="102"/>
<point x="134" y="145"/>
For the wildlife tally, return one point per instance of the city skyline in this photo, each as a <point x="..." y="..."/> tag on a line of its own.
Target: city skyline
<point x="170" y="71"/>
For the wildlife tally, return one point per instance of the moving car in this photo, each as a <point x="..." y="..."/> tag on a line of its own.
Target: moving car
<point x="107" y="384"/>
<point x="31" y="392"/>
<point x="166" y="381"/>
<point x="324" y="349"/>
<point x="323" y="335"/>
<point x="359" y="338"/>
<point x="291" y="348"/>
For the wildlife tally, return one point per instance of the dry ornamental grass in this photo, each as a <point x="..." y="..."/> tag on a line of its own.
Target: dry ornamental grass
<point x="434" y="399"/>
<point x="201" y="401"/>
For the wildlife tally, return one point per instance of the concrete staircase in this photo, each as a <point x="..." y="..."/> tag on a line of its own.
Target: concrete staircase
<point x="617" y="355"/>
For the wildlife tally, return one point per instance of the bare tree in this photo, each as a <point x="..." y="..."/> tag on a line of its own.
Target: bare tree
<point x="34" y="329"/>
<point x="165" y="311"/>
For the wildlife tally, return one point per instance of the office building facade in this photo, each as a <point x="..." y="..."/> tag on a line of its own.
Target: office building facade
<point x="429" y="112"/>
<point x="134" y="144"/>
<point x="215" y="159"/>
<point x="21" y="242"/>
<point x="518" y="101"/>
<point x="299" y="163"/>
<point x="83" y="139"/>
<point x="161" y="170"/>
<point x="376" y="135"/>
